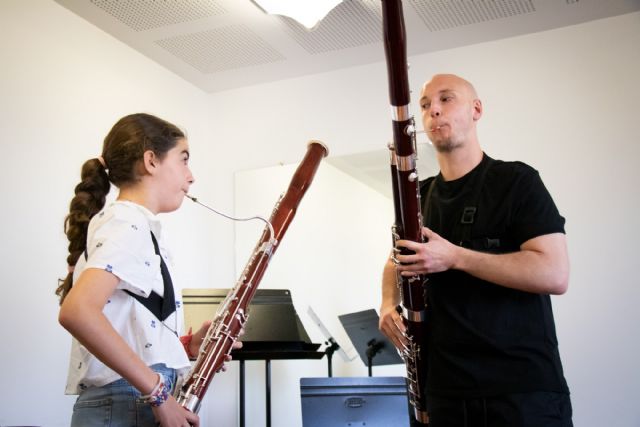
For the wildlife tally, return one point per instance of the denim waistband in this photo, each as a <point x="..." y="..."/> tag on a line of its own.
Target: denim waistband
<point x="122" y="384"/>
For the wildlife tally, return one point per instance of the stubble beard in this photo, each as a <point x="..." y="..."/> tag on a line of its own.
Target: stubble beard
<point x="446" y="145"/>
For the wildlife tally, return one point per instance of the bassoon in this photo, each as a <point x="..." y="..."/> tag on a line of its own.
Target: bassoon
<point x="406" y="199"/>
<point x="233" y="312"/>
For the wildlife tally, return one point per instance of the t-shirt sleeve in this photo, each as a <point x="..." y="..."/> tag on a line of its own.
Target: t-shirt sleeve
<point x="535" y="213"/>
<point x="123" y="246"/>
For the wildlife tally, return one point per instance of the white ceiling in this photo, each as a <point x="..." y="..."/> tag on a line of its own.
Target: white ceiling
<point x="224" y="44"/>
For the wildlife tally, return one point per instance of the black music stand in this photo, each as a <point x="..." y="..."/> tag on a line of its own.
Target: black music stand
<point x="273" y="332"/>
<point x="373" y="347"/>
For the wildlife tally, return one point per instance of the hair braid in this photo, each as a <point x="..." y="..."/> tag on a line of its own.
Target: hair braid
<point x="89" y="199"/>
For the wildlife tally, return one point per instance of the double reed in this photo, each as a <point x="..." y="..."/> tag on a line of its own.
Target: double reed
<point x="406" y="199"/>
<point x="233" y="312"/>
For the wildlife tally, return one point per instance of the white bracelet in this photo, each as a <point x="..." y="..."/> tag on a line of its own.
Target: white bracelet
<point x="155" y="389"/>
<point x="159" y="395"/>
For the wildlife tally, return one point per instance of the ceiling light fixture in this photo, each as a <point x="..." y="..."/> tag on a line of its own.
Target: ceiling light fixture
<point x="306" y="12"/>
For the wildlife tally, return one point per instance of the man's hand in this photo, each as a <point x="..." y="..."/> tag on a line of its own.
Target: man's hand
<point x="392" y="326"/>
<point x="434" y="256"/>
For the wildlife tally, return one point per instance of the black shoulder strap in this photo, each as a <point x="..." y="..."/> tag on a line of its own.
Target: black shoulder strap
<point x="426" y="205"/>
<point x="161" y="307"/>
<point x="157" y="305"/>
<point x="468" y="217"/>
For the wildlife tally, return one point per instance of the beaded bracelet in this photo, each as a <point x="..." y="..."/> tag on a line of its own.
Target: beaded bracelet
<point x="158" y="395"/>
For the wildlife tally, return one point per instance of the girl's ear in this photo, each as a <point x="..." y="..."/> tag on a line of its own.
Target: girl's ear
<point x="150" y="162"/>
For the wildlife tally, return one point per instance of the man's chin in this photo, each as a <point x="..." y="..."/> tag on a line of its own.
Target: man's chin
<point x="444" y="145"/>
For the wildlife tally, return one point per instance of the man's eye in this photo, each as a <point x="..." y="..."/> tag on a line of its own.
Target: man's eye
<point x="425" y="105"/>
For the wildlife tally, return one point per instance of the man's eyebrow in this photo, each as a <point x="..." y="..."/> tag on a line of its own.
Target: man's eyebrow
<point x="186" y="152"/>
<point x="440" y="92"/>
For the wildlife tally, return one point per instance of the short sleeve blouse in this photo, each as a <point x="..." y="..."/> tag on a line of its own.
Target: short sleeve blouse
<point x="119" y="241"/>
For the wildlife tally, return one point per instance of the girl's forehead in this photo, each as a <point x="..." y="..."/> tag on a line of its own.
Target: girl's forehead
<point x="182" y="144"/>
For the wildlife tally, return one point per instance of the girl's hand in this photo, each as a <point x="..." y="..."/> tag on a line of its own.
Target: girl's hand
<point x="171" y="414"/>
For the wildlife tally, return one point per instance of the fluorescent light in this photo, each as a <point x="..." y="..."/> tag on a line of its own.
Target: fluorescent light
<point x="306" y="12"/>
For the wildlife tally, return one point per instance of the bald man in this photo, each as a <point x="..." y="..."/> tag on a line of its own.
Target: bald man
<point x="495" y="252"/>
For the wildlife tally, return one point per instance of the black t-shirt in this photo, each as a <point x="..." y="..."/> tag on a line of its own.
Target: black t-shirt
<point x="484" y="339"/>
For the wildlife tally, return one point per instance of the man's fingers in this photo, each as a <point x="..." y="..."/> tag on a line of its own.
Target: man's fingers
<point x="398" y="322"/>
<point x="397" y="331"/>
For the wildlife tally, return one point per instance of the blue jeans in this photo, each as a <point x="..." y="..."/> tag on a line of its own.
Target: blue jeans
<point x="117" y="404"/>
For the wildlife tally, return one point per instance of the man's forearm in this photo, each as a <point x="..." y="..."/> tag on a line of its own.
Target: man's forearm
<point x="390" y="292"/>
<point x="541" y="266"/>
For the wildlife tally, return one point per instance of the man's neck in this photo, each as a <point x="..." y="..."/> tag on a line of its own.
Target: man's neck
<point x="459" y="162"/>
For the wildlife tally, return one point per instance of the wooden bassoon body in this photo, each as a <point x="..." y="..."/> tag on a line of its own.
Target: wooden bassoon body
<point x="232" y="313"/>
<point x="406" y="198"/>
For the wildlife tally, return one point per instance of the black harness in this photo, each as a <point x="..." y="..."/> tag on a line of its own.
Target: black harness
<point x="462" y="230"/>
<point x="161" y="307"/>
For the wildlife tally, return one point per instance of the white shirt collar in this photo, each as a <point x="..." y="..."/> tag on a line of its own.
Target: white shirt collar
<point x="154" y="222"/>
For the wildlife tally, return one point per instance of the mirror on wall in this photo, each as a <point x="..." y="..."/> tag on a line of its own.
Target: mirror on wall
<point x="372" y="167"/>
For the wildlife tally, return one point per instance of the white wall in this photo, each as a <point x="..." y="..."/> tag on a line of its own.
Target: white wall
<point x="564" y="101"/>
<point x="63" y="83"/>
<point x="323" y="261"/>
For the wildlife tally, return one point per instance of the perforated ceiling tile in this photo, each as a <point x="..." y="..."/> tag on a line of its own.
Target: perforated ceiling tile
<point x="221" y="49"/>
<point x="350" y="35"/>
<point x="350" y="24"/>
<point x="444" y="14"/>
<point x="143" y="15"/>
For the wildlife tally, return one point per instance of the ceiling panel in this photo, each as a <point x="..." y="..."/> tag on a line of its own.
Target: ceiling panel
<point x="224" y="44"/>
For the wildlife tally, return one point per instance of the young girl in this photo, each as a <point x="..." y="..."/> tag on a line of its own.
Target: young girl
<point x="118" y="299"/>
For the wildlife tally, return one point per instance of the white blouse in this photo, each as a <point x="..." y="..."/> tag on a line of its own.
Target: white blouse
<point x="119" y="241"/>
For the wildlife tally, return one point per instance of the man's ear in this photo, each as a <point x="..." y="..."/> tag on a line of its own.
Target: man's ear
<point x="477" y="109"/>
<point x="150" y="162"/>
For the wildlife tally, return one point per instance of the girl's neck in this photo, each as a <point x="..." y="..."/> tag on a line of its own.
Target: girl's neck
<point x="136" y="195"/>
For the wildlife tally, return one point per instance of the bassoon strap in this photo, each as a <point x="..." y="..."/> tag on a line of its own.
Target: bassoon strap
<point x="427" y="203"/>
<point x="469" y="214"/>
<point x="160" y="307"/>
